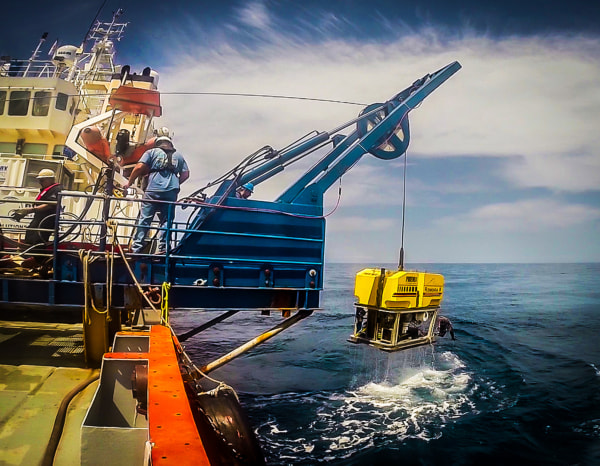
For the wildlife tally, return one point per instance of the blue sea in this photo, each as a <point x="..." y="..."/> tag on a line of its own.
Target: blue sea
<point x="520" y="385"/>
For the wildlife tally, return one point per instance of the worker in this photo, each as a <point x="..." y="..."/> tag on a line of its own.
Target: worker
<point x="244" y="191"/>
<point x="43" y="223"/>
<point x="167" y="170"/>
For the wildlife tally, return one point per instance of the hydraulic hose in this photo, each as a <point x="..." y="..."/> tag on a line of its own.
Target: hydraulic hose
<point x="59" y="421"/>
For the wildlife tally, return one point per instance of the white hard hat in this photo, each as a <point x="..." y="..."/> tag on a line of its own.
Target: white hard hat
<point x="163" y="131"/>
<point x="45" y="173"/>
<point x="162" y="139"/>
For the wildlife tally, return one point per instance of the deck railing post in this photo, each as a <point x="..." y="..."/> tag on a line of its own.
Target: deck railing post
<point x="170" y="217"/>
<point x="56" y="232"/>
<point x="108" y="192"/>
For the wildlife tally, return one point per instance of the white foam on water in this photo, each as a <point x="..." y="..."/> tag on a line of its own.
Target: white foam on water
<point x="412" y="402"/>
<point x="276" y="430"/>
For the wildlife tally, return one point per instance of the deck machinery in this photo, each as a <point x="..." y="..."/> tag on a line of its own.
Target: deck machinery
<point x="225" y="253"/>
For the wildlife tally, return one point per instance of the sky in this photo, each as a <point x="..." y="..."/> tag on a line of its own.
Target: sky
<point x="504" y="159"/>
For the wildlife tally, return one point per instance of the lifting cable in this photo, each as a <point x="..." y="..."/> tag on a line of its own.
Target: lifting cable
<point x="401" y="259"/>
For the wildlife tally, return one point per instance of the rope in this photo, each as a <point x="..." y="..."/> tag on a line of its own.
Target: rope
<point x="164" y="305"/>
<point x="86" y="259"/>
<point x="112" y="226"/>
<point x="220" y="384"/>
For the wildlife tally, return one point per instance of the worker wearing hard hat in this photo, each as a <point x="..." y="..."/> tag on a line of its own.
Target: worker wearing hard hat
<point x="44" y="211"/>
<point x="244" y="191"/>
<point x="166" y="169"/>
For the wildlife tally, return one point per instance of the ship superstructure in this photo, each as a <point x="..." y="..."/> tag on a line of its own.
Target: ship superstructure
<point x="56" y="114"/>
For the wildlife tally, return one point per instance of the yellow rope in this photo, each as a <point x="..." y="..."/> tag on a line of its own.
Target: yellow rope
<point x="164" y="305"/>
<point x="112" y="225"/>
<point x="86" y="259"/>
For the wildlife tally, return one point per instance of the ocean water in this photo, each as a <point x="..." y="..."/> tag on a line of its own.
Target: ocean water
<point x="520" y="385"/>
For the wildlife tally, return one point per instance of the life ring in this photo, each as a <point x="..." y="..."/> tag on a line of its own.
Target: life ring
<point x="425" y="316"/>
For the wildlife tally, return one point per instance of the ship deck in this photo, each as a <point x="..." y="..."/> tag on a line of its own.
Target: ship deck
<point x="40" y="363"/>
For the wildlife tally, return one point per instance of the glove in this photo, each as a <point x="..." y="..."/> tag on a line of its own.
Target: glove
<point x="19" y="214"/>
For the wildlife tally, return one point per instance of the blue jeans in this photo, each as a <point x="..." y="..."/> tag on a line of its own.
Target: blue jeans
<point x="147" y="212"/>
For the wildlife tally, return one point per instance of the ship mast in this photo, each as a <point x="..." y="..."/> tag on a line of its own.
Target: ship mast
<point x="35" y="53"/>
<point x="98" y="62"/>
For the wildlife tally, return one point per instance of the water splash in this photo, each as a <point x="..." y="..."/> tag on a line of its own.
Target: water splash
<point x="408" y="402"/>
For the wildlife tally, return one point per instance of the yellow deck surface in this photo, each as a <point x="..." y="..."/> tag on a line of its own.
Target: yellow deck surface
<point x="39" y="365"/>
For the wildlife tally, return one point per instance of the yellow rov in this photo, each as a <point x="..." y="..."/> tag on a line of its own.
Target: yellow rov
<point x="396" y="309"/>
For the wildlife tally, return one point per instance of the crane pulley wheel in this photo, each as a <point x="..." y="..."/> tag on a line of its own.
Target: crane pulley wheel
<point x="395" y="141"/>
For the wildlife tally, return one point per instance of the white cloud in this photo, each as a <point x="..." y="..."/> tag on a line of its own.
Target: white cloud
<point x="532" y="101"/>
<point x="536" y="215"/>
<point x="574" y="173"/>
<point x="256" y="15"/>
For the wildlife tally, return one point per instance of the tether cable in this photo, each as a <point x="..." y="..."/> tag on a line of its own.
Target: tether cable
<point x="401" y="260"/>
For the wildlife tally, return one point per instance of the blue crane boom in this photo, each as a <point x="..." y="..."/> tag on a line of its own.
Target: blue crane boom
<point x="381" y="129"/>
<point x="231" y="253"/>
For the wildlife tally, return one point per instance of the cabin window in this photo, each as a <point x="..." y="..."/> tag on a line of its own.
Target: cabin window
<point x="58" y="149"/>
<point x="33" y="168"/>
<point x="66" y="180"/>
<point x="41" y="103"/>
<point x="35" y="148"/>
<point x="2" y="101"/>
<point x="19" y="102"/>
<point x="61" y="101"/>
<point x="7" y="147"/>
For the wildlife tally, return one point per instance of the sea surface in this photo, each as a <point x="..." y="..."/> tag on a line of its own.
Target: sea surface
<point x="520" y="385"/>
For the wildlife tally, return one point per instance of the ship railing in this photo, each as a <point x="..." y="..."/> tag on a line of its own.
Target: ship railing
<point x="79" y="224"/>
<point x="33" y="69"/>
<point x="82" y="225"/>
<point x="20" y="239"/>
<point x="89" y="228"/>
<point x="89" y="231"/>
<point x="48" y="69"/>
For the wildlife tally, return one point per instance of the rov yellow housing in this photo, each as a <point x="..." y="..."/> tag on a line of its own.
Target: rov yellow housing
<point x="388" y="289"/>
